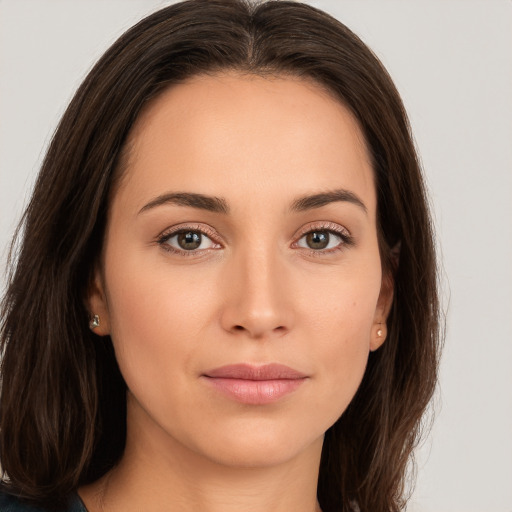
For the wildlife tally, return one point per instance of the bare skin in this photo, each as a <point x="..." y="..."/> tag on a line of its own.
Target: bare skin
<point x="269" y="255"/>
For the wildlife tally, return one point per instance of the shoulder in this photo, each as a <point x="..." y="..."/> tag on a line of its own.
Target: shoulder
<point x="10" y="503"/>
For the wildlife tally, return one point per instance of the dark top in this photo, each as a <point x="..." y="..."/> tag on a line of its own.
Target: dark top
<point x="9" y="503"/>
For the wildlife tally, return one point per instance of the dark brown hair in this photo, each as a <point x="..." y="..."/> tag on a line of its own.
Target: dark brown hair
<point x="62" y="404"/>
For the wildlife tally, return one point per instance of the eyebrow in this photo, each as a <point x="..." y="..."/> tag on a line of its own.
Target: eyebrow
<point x="220" y="205"/>
<point x="200" y="201"/>
<point x="311" y="202"/>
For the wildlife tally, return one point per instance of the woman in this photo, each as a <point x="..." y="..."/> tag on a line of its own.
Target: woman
<point x="225" y="291"/>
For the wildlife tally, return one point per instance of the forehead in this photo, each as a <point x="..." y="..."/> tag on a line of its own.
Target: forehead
<point x="222" y="133"/>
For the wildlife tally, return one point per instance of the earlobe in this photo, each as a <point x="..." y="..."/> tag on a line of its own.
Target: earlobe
<point x="97" y="307"/>
<point x="378" y="336"/>
<point x="379" y="329"/>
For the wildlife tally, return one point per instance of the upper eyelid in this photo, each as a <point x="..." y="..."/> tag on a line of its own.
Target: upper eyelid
<point x="319" y="225"/>
<point x="174" y="230"/>
<point x="322" y="226"/>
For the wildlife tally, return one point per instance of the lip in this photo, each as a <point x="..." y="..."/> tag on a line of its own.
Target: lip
<point x="256" y="385"/>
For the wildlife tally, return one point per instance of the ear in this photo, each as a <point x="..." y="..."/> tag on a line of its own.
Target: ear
<point x="379" y="329"/>
<point x="97" y="306"/>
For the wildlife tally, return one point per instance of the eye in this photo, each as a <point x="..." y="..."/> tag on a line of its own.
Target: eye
<point x="188" y="240"/>
<point x="320" y="240"/>
<point x="323" y="238"/>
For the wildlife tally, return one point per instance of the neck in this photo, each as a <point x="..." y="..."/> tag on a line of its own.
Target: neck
<point x="158" y="473"/>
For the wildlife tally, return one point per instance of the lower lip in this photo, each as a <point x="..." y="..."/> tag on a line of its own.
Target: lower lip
<point x="255" y="392"/>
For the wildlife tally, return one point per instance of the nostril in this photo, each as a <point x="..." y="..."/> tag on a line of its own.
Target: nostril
<point x="238" y="328"/>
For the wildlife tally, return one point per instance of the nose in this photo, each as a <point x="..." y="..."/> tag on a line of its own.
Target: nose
<point x="257" y="296"/>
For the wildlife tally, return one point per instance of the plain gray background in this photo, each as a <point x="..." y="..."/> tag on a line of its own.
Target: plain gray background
<point x="452" y="62"/>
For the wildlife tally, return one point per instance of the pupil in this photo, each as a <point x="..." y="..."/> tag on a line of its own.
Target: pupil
<point x="317" y="239"/>
<point x="189" y="240"/>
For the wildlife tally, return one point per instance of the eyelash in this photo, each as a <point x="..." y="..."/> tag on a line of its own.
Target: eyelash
<point x="328" y="227"/>
<point x="333" y="229"/>
<point x="168" y="234"/>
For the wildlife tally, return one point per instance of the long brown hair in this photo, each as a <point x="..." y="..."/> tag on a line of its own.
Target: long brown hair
<point x="62" y="404"/>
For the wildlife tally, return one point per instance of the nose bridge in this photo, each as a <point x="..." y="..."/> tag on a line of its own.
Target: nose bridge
<point x="260" y="277"/>
<point x="258" y="302"/>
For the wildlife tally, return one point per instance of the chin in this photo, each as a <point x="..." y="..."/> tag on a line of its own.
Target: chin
<point x="257" y="445"/>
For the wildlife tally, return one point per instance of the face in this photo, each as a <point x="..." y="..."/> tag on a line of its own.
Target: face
<point x="240" y="278"/>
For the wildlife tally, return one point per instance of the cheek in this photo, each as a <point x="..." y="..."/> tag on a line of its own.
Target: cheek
<point x="343" y="306"/>
<point x="341" y="322"/>
<point x="345" y="358"/>
<point x="156" y="318"/>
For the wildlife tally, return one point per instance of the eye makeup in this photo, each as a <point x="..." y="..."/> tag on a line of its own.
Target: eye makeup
<point x="187" y="240"/>
<point x="322" y="238"/>
<point x="321" y="235"/>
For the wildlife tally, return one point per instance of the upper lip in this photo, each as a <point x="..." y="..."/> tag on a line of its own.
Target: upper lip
<point x="255" y="372"/>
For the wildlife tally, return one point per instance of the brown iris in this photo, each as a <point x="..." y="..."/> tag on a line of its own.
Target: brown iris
<point x="189" y="240"/>
<point x="317" y="239"/>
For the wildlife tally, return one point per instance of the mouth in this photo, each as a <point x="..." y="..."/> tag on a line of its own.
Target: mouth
<point x="255" y="385"/>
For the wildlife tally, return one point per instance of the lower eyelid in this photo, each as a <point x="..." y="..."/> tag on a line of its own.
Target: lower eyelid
<point x="203" y="236"/>
<point x="341" y="245"/>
